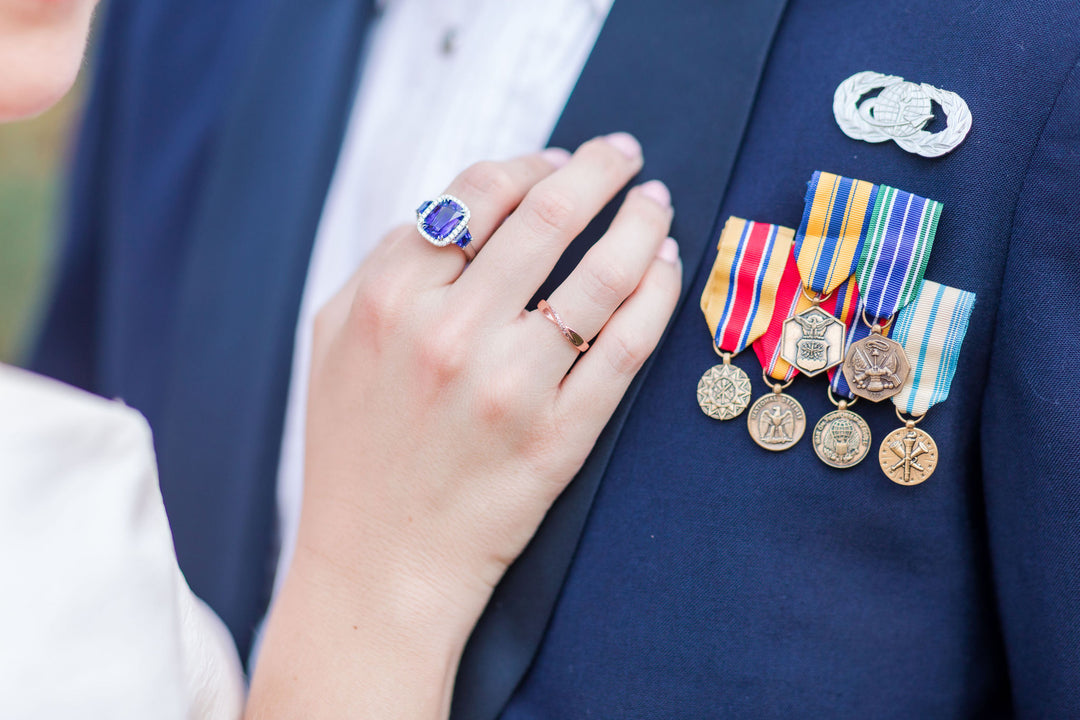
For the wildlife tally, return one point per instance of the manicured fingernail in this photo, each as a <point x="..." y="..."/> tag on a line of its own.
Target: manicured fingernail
<point x="625" y="143"/>
<point x="656" y="190"/>
<point x="557" y="157"/>
<point x="669" y="251"/>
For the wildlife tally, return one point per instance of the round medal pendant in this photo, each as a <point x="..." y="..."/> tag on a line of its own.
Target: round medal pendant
<point x="841" y="439"/>
<point x="876" y="367"/>
<point x="776" y="421"/>
<point x="723" y="392"/>
<point x="908" y="455"/>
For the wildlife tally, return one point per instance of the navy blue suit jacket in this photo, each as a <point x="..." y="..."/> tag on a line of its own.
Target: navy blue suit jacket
<point x="685" y="573"/>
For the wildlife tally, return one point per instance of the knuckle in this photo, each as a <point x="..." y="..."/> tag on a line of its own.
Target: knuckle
<point x="444" y="352"/>
<point x="607" y="284"/>
<point x="376" y="305"/>
<point x="626" y="355"/>
<point x="497" y="400"/>
<point x="549" y="211"/>
<point x="487" y="178"/>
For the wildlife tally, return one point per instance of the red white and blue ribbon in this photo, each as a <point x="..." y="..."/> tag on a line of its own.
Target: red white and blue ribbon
<point x="931" y="330"/>
<point x="740" y="295"/>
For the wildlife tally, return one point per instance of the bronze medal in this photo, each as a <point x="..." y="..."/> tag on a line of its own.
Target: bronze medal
<point x="813" y="340"/>
<point x="876" y="366"/>
<point x="908" y="455"/>
<point x="841" y="438"/>
<point x="723" y="392"/>
<point x="776" y="421"/>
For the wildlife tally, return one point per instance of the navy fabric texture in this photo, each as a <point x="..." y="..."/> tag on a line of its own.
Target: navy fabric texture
<point x="687" y="573"/>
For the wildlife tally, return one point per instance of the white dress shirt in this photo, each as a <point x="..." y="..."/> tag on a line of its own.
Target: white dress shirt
<point x="445" y="83"/>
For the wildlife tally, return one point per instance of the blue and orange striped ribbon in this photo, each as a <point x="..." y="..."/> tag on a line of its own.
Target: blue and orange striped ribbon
<point x="740" y="295"/>
<point x="830" y="238"/>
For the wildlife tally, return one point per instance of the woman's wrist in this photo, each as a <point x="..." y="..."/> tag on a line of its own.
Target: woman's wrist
<point x="398" y="598"/>
<point x="395" y="638"/>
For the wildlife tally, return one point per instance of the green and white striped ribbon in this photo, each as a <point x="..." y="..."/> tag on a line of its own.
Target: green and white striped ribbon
<point x="931" y="329"/>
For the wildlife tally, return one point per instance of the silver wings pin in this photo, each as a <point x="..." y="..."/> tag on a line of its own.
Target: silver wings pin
<point x="899" y="113"/>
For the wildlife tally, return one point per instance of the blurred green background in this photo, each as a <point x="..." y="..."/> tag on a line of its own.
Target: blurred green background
<point x="33" y="154"/>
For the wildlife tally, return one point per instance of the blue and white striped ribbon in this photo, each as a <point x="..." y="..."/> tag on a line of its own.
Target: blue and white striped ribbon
<point x="931" y="330"/>
<point x="897" y="247"/>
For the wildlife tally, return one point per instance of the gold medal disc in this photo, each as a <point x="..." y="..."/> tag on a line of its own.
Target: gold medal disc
<point x="841" y="438"/>
<point x="776" y="421"/>
<point x="908" y="455"/>
<point x="723" y="392"/>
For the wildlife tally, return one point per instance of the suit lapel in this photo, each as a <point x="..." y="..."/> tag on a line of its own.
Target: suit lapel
<point x="250" y="245"/>
<point x="683" y="81"/>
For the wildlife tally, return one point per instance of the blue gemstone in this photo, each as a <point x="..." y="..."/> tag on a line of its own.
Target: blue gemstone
<point x="441" y="222"/>
<point x="424" y="206"/>
<point x="465" y="239"/>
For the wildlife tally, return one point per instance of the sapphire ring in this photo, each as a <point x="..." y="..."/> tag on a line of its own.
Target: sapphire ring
<point x="444" y="221"/>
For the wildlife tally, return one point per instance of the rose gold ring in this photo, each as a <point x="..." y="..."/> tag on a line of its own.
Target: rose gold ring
<point x="576" y="340"/>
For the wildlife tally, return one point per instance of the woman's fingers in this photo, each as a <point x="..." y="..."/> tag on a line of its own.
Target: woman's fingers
<point x="608" y="273"/>
<point x="522" y="253"/>
<point x="491" y="191"/>
<point x="595" y="386"/>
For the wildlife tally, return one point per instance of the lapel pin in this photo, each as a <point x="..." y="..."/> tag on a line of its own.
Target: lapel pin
<point x="899" y="113"/>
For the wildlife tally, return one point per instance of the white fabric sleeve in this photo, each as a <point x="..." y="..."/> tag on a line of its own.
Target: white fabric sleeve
<point x="96" y="620"/>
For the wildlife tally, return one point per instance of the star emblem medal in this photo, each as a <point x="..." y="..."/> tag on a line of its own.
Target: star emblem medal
<point x="738" y="302"/>
<point x="932" y="327"/>
<point x="900" y="112"/>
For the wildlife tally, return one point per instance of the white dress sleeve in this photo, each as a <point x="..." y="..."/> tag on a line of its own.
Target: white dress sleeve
<point x="96" y="620"/>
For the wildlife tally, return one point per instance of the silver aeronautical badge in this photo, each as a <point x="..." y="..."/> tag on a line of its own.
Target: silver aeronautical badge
<point x="899" y="113"/>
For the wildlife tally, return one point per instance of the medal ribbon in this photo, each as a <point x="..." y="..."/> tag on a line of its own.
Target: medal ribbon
<point x="899" y="239"/>
<point x="898" y="244"/>
<point x="835" y="219"/>
<point x="789" y="300"/>
<point x="740" y="294"/>
<point x="931" y="330"/>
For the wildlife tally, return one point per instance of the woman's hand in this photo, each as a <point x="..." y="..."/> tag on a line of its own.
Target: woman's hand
<point x="444" y="419"/>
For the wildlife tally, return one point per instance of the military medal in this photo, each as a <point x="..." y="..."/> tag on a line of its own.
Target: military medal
<point x="828" y="245"/>
<point x="875" y="367"/>
<point x="738" y="303"/>
<point x="841" y="438"/>
<point x="776" y="421"/>
<point x="723" y="392"/>
<point x="931" y="328"/>
<point x="899" y="239"/>
<point x="909" y="455"/>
